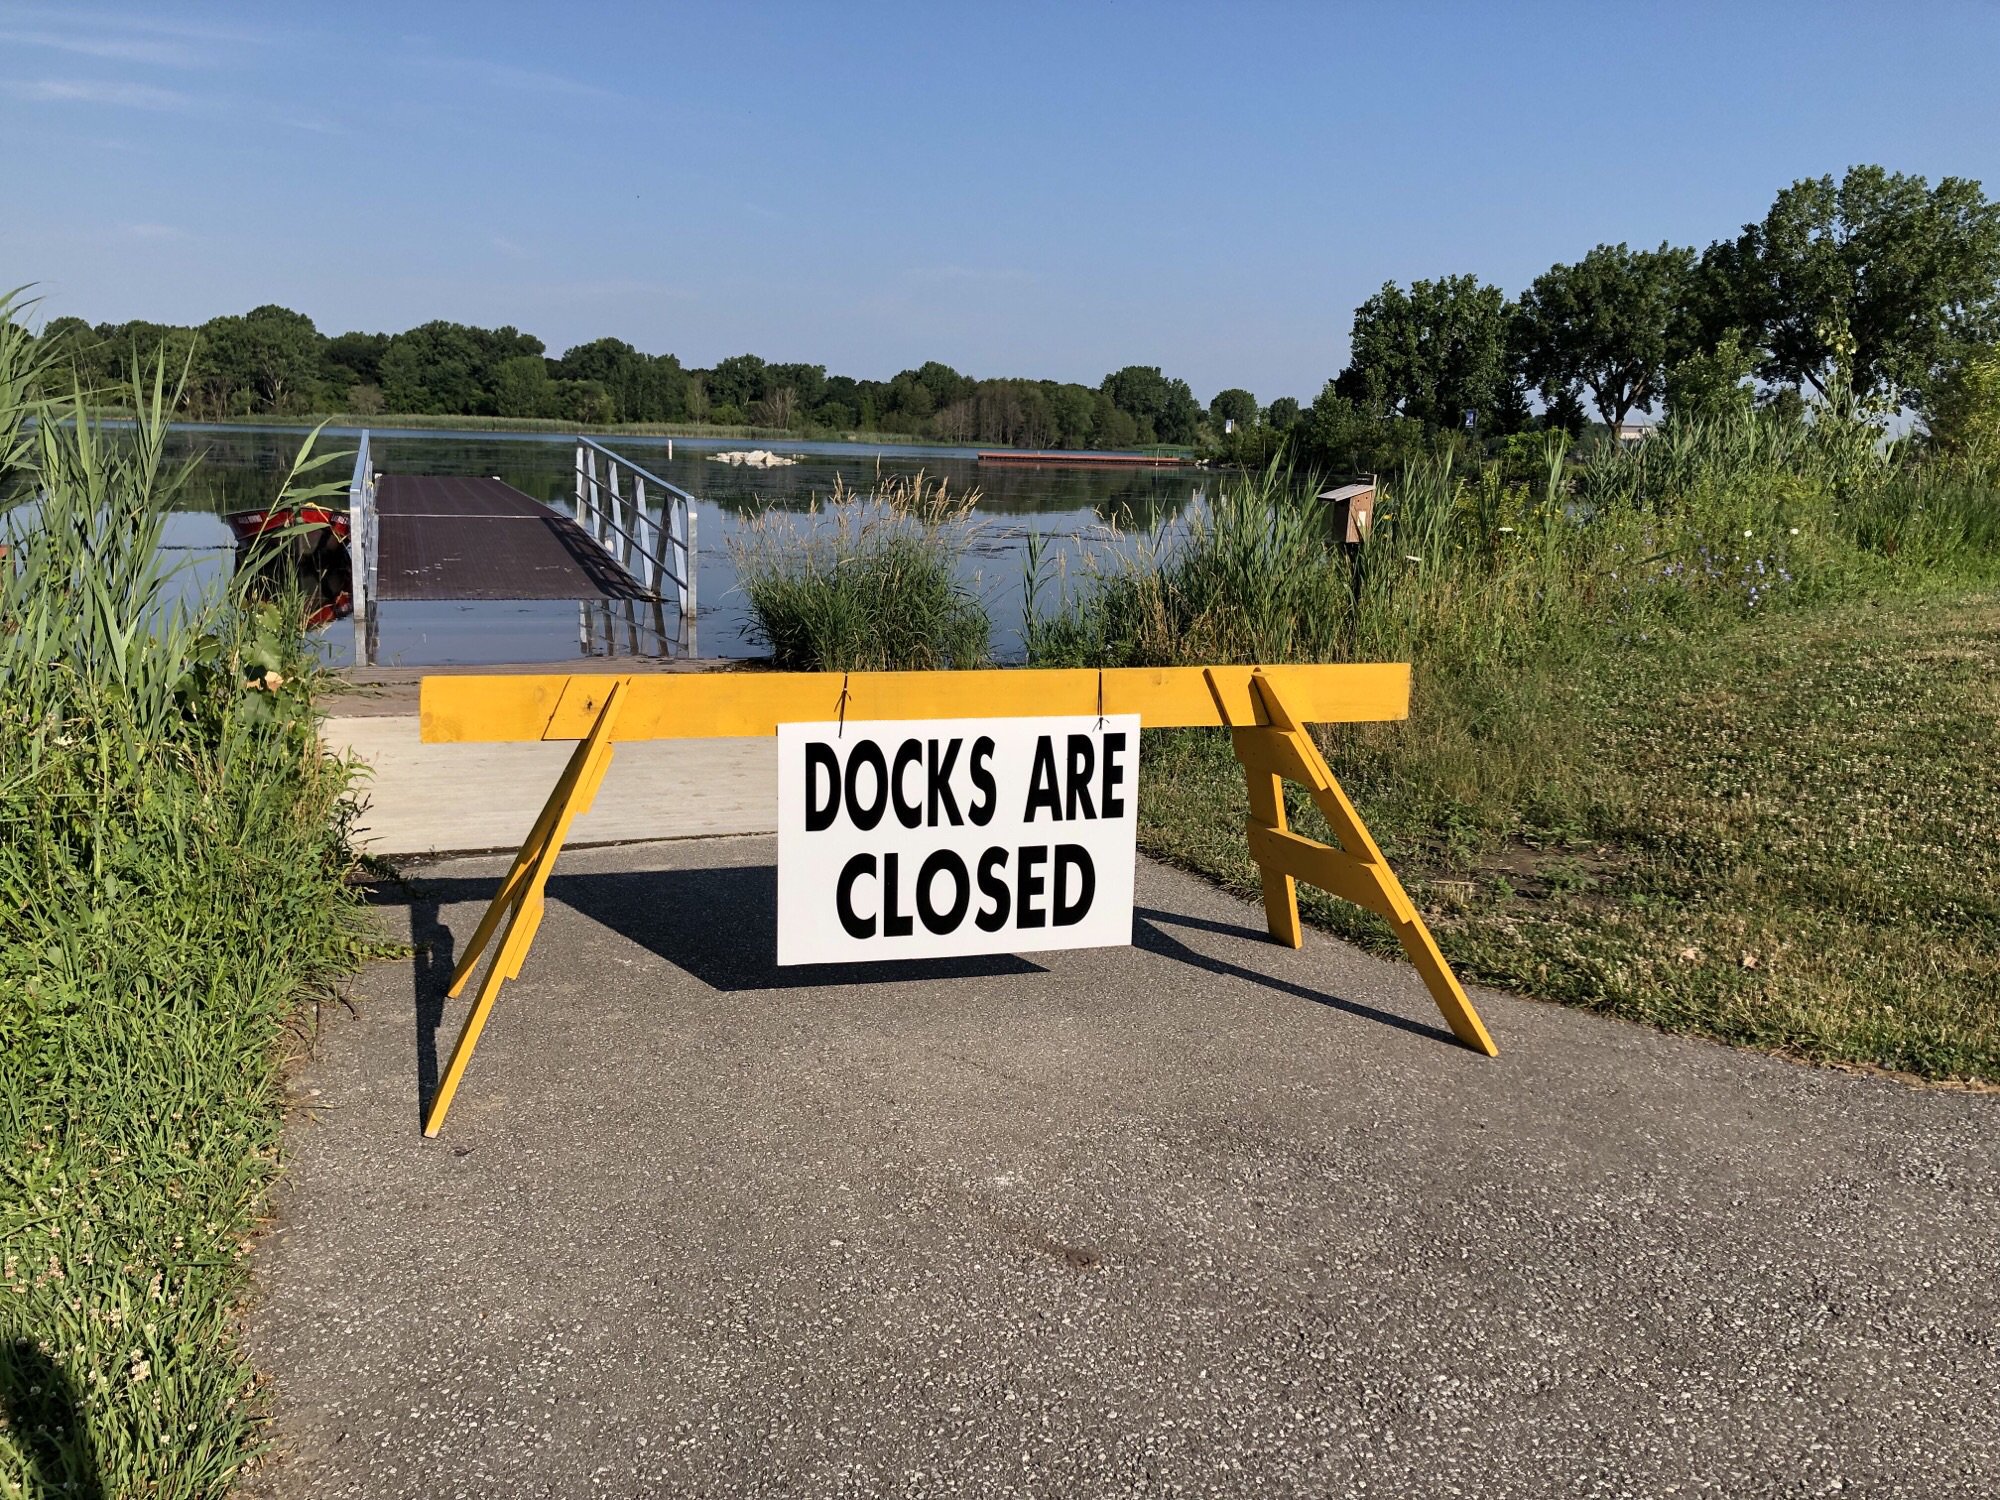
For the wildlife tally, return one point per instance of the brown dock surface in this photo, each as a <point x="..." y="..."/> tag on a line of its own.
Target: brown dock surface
<point x="446" y="536"/>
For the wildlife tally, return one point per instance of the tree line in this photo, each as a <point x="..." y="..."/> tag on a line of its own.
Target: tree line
<point x="272" y="361"/>
<point x="1873" y="293"/>
<point x="1877" y="290"/>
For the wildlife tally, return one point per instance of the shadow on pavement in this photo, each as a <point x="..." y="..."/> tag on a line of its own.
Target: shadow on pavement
<point x="1149" y="934"/>
<point x="719" y="925"/>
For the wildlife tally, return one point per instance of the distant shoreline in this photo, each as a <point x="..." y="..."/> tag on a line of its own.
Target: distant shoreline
<point x="540" y="428"/>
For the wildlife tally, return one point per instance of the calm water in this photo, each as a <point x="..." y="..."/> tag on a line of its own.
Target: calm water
<point x="243" y="468"/>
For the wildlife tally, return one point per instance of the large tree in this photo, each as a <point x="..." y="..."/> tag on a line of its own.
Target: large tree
<point x="284" y="355"/>
<point x="1233" y="405"/>
<point x="1610" y="324"/>
<point x="1875" y="283"/>
<point x="1156" y="402"/>
<point x="1432" y="353"/>
<point x="428" y="369"/>
<point x="642" y="387"/>
<point x="522" y="387"/>
<point x="355" y="359"/>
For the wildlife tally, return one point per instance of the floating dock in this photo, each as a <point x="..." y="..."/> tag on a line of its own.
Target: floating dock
<point x="1023" y="459"/>
<point x="452" y="537"/>
<point x="628" y="541"/>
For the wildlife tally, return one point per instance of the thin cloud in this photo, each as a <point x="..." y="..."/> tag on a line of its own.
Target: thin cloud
<point x="512" y="79"/>
<point x="512" y="249"/>
<point x="157" y="232"/>
<point x="153" y="53"/>
<point x="86" y="91"/>
<point x="131" y="21"/>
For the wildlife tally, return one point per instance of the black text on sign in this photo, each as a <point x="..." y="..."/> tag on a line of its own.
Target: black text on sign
<point x="943" y="837"/>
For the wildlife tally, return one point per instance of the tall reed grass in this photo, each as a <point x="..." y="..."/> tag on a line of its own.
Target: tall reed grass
<point x="1610" y="655"/>
<point x="866" y="581"/>
<point x="172" y="864"/>
<point x="1706" y="523"/>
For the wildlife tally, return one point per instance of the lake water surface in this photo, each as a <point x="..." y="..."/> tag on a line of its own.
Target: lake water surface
<point x="242" y="469"/>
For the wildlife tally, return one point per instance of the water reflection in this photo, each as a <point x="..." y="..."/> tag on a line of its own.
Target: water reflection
<point x="1072" y="509"/>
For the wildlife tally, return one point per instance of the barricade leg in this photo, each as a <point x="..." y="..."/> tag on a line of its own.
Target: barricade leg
<point x="1281" y="891"/>
<point x="519" y="901"/>
<point x="1279" y="749"/>
<point x="518" y="876"/>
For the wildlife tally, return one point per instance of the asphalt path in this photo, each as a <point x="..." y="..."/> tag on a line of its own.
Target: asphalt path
<point x="1201" y="1216"/>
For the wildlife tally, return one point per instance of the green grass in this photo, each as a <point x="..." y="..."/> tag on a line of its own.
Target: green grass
<point x="172" y="884"/>
<point x="1702" y="734"/>
<point x="866" y="582"/>
<point x="1780" y="835"/>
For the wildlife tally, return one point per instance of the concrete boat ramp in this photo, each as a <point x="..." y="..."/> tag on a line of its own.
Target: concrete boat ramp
<point x="421" y="800"/>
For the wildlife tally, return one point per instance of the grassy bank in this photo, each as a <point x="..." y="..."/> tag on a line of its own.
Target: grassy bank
<point x="1702" y="736"/>
<point x="1779" y="835"/>
<point x="171" y="885"/>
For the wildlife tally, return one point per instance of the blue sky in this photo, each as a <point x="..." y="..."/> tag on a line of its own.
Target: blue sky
<point x="1017" y="189"/>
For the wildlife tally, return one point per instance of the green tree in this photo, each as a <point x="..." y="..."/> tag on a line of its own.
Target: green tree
<point x="1336" y="436"/>
<point x="1869" y="287"/>
<point x="738" y="381"/>
<point x="73" y="347"/>
<point x="1608" y="324"/>
<point x="807" y="383"/>
<point x="108" y="358"/>
<point x="642" y="388"/>
<point x="522" y="388"/>
<point x="1163" y="409"/>
<point x="1112" y="427"/>
<point x="1565" y="413"/>
<point x="1712" y="382"/>
<point x="1233" y="405"/>
<point x="283" y="355"/>
<point x="910" y="400"/>
<point x="1282" y="413"/>
<point x="1962" y="412"/>
<point x="355" y="359"/>
<point x="432" y="369"/>
<point x="588" y="402"/>
<point x="220" y="379"/>
<point x="1430" y="354"/>
<point x="1073" y="412"/>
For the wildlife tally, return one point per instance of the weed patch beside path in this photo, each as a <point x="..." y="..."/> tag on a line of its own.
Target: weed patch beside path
<point x="172" y="884"/>
<point x="1785" y="835"/>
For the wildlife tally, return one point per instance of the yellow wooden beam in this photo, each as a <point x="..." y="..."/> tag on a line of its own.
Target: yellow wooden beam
<point x="1332" y="870"/>
<point x="706" y="705"/>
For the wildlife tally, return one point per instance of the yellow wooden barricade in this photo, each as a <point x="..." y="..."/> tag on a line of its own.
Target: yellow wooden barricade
<point x="1265" y="710"/>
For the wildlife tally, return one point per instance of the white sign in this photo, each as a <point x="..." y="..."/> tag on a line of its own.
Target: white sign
<point x="936" y="838"/>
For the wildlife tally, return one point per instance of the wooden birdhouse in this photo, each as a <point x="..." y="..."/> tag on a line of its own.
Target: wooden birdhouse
<point x="1350" y="512"/>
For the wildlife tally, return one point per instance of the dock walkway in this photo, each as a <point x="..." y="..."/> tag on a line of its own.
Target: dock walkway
<point x="448" y="536"/>
<point x="628" y="539"/>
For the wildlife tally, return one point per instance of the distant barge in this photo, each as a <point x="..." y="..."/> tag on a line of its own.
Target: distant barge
<point x="1020" y="459"/>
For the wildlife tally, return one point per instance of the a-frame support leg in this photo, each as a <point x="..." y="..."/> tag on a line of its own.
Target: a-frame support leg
<point x="1278" y="748"/>
<point x="519" y="901"/>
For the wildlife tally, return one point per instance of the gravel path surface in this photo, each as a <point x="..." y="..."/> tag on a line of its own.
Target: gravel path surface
<point x="1206" y="1216"/>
